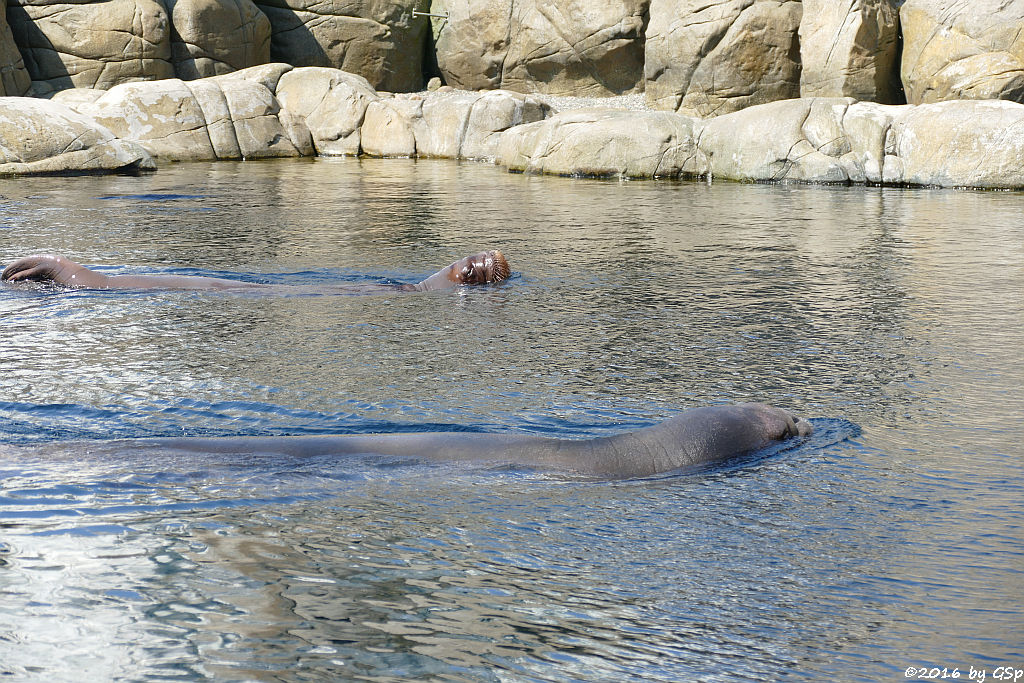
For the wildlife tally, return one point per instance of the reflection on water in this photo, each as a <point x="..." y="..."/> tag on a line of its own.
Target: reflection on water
<point x="853" y="556"/>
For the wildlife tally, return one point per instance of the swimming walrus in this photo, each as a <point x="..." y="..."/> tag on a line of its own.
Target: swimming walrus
<point x="481" y="268"/>
<point x="696" y="437"/>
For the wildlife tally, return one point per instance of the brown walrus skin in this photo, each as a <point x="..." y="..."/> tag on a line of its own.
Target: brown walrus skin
<point x="696" y="437"/>
<point x="480" y="268"/>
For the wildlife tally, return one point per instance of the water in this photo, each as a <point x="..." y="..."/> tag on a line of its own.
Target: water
<point x="892" y="539"/>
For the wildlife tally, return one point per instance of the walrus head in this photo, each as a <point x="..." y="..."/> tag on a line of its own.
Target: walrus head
<point x="478" y="269"/>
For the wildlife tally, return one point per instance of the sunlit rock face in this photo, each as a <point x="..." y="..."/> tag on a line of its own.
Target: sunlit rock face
<point x="711" y="57"/>
<point x="557" y="47"/>
<point x="851" y="49"/>
<point x="958" y="50"/>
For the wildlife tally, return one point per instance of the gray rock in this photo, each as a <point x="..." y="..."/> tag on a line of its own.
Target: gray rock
<point x="448" y="124"/>
<point x="603" y="143"/>
<point x="378" y="40"/>
<point x="960" y="50"/>
<point x="267" y="75"/>
<point x="214" y="37"/>
<point x="851" y="49"/>
<point x="798" y="140"/>
<point x="559" y="47"/>
<point x="963" y="143"/>
<point x="40" y="136"/>
<point x="712" y="57"/>
<point x="92" y="44"/>
<point x="205" y="119"/>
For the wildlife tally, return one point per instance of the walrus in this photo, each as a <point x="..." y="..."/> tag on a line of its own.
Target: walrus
<point x="484" y="267"/>
<point x="694" y="438"/>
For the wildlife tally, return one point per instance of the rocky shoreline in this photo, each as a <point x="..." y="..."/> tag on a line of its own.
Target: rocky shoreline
<point x="275" y="110"/>
<point x="742" y="90"/>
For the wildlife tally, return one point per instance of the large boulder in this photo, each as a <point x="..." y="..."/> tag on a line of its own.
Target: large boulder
<point x="91" y="44"/>
<point x="957" y="50"/>
<point x="14" y="79"/>
<point x="558" y="47"/>
<point x="712" y="57"/>
<point x="377" y="39"/>
<point x="799" y="140"/>
<point x="851" y="49"/>
<point x="214" y="37"/>
<point x="207" y="119"/>
<point x="327" y="106"/>
<point x="452" y="124"/>
<point x="964" y="143"/>
<point x="39" y="136"/>
<point x="837" y="140"/>
<point x="603" y="143"/>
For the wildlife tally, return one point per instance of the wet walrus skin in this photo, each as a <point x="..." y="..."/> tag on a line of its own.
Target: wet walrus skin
<point x="696" y="437"/>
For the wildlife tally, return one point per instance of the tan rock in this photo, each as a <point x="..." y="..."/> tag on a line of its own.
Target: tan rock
<point x="93" y="44"/>
<point x="14" y="78"/>
<point x="558" y="47"/>
<point x="214" y="37"/>
<point x="40" y="136"/>
<point x="329" y="103"/>
<point x="603" y="143"/>
<point x="449" y="124"/>
<point x="851" y="49"/>
<point x="197" y="120"/>
<point x="379" y="40"/>
<point x="712" y="57"/>
<point x="955" y="50"/>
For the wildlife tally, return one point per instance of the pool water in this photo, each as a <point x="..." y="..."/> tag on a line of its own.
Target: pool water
<point x="893" y="318"/>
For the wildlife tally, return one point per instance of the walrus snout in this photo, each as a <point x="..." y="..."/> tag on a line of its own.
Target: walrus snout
<point x="803" y="427"/>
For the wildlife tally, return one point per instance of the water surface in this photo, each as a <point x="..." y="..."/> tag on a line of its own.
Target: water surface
<point x="893" y="318"/>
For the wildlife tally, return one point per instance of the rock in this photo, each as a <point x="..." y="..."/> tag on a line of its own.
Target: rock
<point x="380" y="41"/>
<point x="955" y="50"/>
<point x="851" y="50"/>
<point x="14" y="78"/>
<point x="92" y="44"/>
<point x="454" y="124"/>
<point x="603" y="143"/>
<point x="560" y="47"/>
<point x="40" y="136"/>
<point x="267" y="75"/>
<point x="214" y="37"/>
<point x="963" y="143"/>
<point x="789" y="140"/>
<point x="76" y="98"/>
<point x="328" y="103"/>
<point x="198" y="120"/>
<point x="712" y="57"/>
<point x="433" y="84"/>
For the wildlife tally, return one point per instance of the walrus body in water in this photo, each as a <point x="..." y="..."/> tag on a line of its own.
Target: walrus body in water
<point x="482" y="268"/>
<point x="696" y="437"/>
<point x="700" y="436"/>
